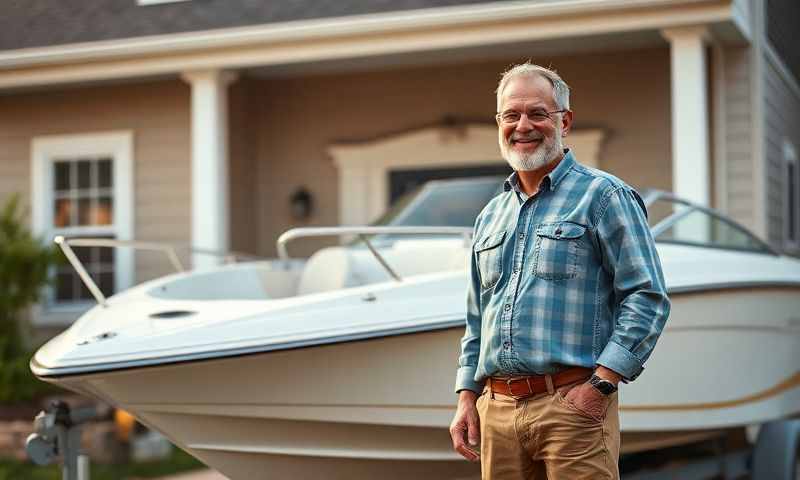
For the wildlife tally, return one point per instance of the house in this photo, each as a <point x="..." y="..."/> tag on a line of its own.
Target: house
<point x="206" y="122"/>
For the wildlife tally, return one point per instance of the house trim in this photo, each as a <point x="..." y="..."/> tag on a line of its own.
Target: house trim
<point x="348" y="37"/>
<point x="790" y="156"/>
<point x="781" y="68"/>
<point x="44" y="151"/>
<point x="364" y="167"/>
<point x="759" y="153"/>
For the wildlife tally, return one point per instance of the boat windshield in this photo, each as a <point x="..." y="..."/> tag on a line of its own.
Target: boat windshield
<point x="457" y="202"/>
<point x="673" y="220"/>
<point x="450" y="203"/>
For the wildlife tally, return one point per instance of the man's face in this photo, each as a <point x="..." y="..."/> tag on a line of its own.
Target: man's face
<point x="533" y="141"/>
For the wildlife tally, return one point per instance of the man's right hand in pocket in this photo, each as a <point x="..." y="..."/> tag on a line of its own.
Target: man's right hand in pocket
<point x="465" y="429"/>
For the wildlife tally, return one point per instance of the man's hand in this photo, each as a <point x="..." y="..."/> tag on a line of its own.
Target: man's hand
<point x="587" y="399"/>
<point x="465" y="428"/>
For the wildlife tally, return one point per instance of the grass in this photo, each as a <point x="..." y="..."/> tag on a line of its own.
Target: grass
<point x="178" y="462"/>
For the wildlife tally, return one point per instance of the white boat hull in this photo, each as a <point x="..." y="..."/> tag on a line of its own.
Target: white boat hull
<point x="381" y="408"/>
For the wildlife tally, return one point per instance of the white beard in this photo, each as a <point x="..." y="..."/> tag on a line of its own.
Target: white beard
<point x="545" y="154"/>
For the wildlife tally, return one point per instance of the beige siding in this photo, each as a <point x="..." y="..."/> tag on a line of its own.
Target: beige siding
<point x="243" y="138"/>
<point x="738" y="135"/>
<point x="158" y="115"/>
<point x="626" y="94"/>
<point x="782" y="122"/>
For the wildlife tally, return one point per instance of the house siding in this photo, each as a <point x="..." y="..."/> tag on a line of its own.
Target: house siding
<point x="739" y="172"/>
<point x="627" y="94"/>
<point x="781" y="122"/>
<point x="158" y="115"/>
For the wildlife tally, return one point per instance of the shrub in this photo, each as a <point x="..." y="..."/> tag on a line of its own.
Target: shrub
<point x="24" y="265"/>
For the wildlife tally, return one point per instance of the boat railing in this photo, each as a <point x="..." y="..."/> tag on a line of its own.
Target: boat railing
<point x="363" y="234"/>
<point x="170" y="250"/>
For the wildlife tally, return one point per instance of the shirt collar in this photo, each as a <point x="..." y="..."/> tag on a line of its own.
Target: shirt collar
<point x="553" y="178"/>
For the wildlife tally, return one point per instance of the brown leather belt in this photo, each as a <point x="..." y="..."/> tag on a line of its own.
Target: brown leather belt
<point x="523" y="387"/>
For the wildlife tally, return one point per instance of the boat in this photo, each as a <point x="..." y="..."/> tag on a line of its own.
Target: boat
<point x="342" y="365"/>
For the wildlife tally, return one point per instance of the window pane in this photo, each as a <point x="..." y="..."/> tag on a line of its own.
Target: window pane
<point x="64" y="287"/>
<point x="106" y="283"/>
<point x="84" y="293"/>
<point x="103" y="214"/>
<point x="106" y="256"/>
<point x="61" y="176"/>
<point x="84" y="254"/>
<point x="62" y="214"/>
<point x="84" y="211"/>
<point x="104" y="172"/>
<point x="84" y="174"/>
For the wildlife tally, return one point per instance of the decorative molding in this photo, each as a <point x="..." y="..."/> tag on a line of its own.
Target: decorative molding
<point x="364" y="167"/>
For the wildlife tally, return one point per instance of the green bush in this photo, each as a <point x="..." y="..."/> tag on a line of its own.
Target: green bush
<point x="24" y="265"/>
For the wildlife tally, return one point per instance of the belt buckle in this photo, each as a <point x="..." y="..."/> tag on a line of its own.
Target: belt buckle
<point x="519" y="396"/>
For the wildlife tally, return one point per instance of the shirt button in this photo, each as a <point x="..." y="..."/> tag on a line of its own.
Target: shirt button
<point x="521" y="235"/>
<point x="507" y="307"/>
<point x="506" y="345"/>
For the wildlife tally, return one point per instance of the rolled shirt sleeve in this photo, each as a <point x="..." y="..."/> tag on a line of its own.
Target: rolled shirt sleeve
<point x="630" y="258"/>
<point x="470" y="342"/>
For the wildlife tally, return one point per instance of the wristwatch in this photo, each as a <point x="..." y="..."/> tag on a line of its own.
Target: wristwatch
<point x="603" y="386"/>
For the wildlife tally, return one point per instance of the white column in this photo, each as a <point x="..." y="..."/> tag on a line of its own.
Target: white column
<point x="210" y="227"/>
<point x="690" y="119"/>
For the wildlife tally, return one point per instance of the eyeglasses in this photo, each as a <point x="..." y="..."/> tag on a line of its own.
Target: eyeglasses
<point x="511" y="117"/>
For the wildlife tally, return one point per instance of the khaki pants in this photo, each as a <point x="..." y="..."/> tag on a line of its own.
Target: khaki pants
<point x="545" y="437"/>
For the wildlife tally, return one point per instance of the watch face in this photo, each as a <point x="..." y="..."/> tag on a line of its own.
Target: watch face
<point x="603" y="386"/>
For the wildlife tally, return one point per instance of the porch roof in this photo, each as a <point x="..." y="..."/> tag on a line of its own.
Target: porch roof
<point x="394" y="36"/>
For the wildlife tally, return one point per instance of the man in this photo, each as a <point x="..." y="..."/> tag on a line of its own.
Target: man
<point x="566" y="299"/>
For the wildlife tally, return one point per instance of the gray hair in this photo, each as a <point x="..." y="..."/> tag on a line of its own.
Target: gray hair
<point x="560" y="88"/>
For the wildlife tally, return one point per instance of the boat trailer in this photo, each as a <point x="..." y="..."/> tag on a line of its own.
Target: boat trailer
<point x="57" y="435"/>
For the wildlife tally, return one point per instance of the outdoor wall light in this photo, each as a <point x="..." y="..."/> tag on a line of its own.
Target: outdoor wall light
<point x="301" y="204"/>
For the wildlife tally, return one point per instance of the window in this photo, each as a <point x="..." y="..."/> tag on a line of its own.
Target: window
<point x="83" y="205"/>
<point x="791" y="212"/>
<point x="82" y="187"/>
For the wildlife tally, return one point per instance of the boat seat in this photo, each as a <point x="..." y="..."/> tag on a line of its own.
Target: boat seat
<point x="335" y="268"/>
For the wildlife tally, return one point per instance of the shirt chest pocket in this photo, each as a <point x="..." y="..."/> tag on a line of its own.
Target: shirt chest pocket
<point x="557" y="250"/>
<point x="489" y="253"/>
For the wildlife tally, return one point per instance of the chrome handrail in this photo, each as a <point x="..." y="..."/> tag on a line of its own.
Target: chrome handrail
<point x="169" y="250"/>
<point x="362" y="232"/>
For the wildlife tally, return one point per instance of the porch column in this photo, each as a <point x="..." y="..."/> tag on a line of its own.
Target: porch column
<point x="691" y="177"/>
<point x="210" y="228"/>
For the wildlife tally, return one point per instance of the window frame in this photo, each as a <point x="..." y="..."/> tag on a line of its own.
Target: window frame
<point x="45" y="152"/>
<point x="790" y="158"/>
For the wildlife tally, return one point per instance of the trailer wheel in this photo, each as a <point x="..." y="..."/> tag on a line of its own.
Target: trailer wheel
<point x="775" y="455"/>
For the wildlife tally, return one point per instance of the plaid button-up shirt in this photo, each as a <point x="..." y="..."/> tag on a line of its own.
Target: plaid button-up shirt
<point x="567" y="277"/>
